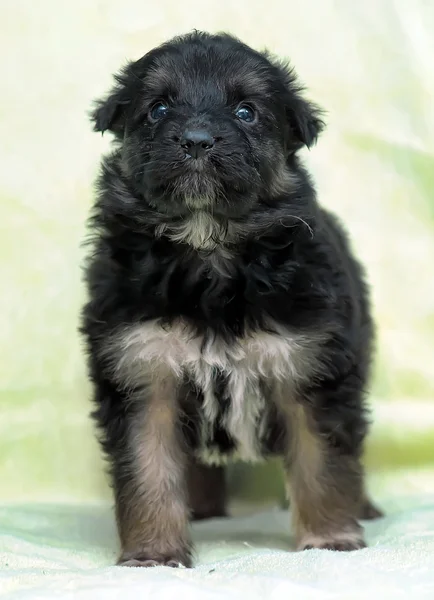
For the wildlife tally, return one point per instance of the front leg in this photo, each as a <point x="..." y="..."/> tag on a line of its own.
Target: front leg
<point x="324" y="478"/>
<point x="148" y="468"/>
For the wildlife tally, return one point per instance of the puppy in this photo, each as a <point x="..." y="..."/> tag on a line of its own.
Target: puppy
<point x="227" y="317"/>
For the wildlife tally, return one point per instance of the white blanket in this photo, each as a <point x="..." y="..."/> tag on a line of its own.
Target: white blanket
<point x="68" y="552"/>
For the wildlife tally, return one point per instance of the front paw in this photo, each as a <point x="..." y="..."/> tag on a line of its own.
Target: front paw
<point x="342" y="542"/>
<point x="155" y="559"/>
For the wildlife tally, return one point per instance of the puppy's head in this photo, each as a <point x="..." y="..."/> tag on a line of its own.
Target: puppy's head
<point x="206" y="123"/>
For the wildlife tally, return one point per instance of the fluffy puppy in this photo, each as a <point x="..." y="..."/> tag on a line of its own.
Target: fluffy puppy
<point x="227" y="317"/>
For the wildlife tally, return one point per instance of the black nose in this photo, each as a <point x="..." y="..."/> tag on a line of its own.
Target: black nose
<point x="197" y="142"/>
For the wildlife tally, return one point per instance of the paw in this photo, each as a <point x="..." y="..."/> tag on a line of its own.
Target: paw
<point x="149" y="562"/>
<point x="153" y="560"/>
<point x="344" y="542"/>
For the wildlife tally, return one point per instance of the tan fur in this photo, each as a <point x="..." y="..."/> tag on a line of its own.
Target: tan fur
<point x="307" y="451"/>
<point x="324" y="488"/>
<point x="205" y="234"/>
<point x="200" y="230"/>
<point x="153" y="512"/>
<point x="278" y="356"/>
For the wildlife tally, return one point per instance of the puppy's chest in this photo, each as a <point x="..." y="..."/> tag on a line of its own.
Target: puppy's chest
<point x="235" y="382"/>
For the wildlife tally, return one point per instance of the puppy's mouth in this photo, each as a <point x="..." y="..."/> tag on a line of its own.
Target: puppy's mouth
<point x="185" y="180"/>
<point x="195" y="165"/>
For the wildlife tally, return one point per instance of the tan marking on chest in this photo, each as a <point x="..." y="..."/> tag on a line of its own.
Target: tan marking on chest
<point x="137" y="351"/>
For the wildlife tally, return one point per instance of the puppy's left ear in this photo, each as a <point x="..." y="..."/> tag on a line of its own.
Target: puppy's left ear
<point x="305" y="121"/>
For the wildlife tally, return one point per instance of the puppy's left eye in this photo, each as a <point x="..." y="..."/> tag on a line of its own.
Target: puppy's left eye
<point x="245" y="113"/>
<point x="158" y="111"/>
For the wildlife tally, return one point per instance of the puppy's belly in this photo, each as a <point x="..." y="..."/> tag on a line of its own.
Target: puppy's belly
<point x="249" y="367"/>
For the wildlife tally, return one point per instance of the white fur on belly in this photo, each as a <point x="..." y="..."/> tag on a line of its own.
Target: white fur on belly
<point x="135" y="351"/>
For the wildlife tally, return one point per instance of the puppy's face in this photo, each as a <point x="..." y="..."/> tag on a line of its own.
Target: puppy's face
<point x="206" y="123"/>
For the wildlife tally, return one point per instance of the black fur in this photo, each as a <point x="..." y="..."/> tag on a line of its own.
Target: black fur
<point x="287" y="258"/>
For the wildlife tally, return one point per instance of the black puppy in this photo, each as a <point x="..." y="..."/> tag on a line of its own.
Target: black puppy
<point x="227" y="317"/>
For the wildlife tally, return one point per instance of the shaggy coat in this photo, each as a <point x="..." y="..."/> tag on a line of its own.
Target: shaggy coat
<point x="227" y="316"/>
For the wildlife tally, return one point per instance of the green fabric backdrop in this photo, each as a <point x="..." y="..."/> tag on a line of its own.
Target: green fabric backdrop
<point x="370" y="64"/>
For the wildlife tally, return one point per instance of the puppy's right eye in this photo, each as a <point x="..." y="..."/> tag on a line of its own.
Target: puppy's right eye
<point x="157" y="112"/>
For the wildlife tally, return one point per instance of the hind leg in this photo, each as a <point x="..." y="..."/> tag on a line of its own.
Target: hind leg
<point x="368" y="510"/>
<point x="206" y="491"/>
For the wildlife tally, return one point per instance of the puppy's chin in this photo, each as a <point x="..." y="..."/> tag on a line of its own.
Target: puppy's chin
<point x="202" y="190"/>
<point x="198" y="187"/>
<point x="204" y="202"/>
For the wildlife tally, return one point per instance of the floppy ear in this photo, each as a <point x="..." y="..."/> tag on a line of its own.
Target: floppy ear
<point x="109" y="113"/>
<point x="305" y="122"/>
<point x="303" y="117"/>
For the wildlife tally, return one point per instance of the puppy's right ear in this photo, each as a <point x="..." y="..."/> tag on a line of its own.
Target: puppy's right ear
<point x="109" y="113"/>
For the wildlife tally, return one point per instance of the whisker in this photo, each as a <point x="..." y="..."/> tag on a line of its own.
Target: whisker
<point x="298" y="219"/>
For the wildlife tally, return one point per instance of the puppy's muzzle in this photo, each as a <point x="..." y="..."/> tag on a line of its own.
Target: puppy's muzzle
<point x="196" y="143"/>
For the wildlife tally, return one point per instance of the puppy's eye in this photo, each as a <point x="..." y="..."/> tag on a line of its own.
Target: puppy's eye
<point x="245" y="113"/>
<point x="158" y="111"/>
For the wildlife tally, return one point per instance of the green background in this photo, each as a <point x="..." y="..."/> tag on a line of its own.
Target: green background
<point x="370" y="64"/>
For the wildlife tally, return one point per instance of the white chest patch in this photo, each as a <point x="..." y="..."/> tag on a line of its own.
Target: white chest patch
<point x="201" y="231"/>
<point x="259" y="357"/>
